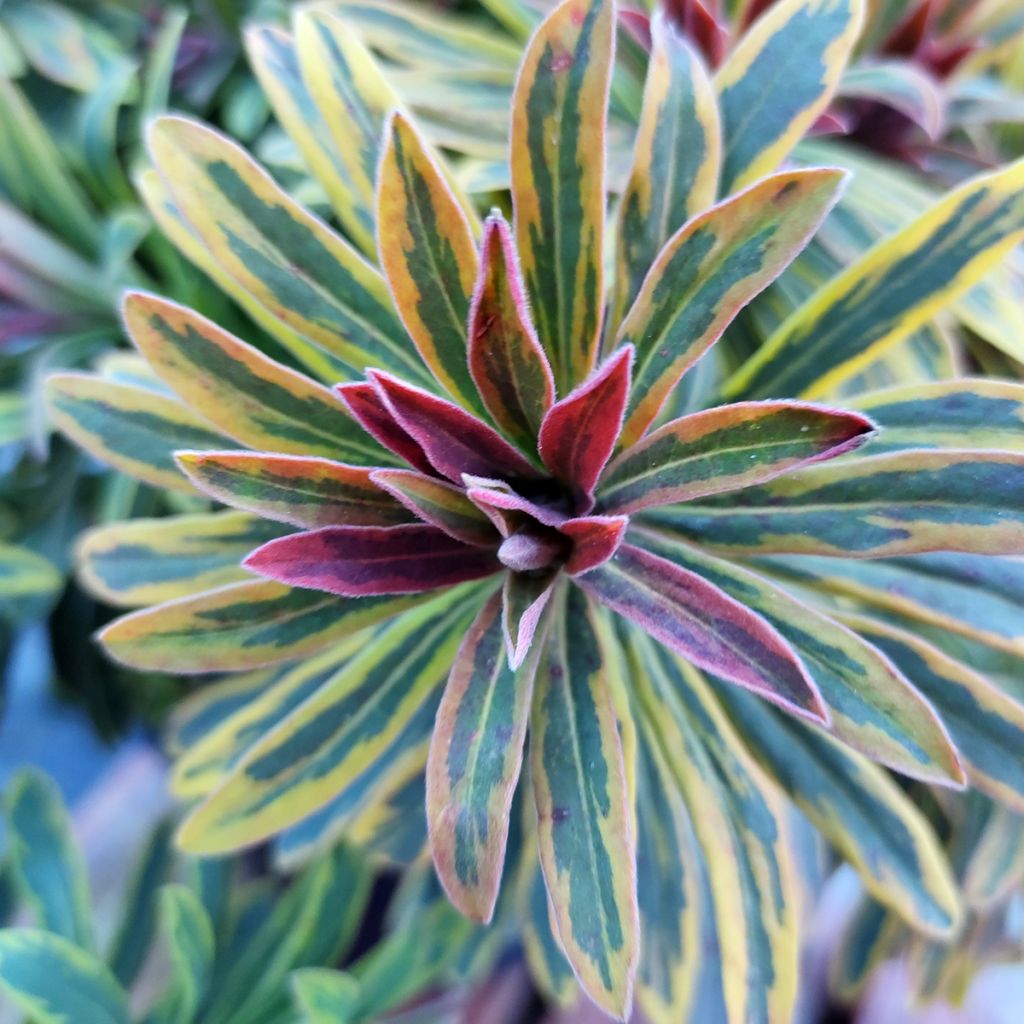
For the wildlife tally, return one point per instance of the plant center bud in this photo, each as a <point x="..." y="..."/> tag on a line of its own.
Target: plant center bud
<point x="531" y="549"/>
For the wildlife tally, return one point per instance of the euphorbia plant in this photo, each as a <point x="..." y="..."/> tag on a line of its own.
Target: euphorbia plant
<point x="500" y="493"/>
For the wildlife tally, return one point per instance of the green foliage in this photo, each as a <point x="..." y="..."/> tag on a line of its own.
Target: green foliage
<point x="694" y="616"/>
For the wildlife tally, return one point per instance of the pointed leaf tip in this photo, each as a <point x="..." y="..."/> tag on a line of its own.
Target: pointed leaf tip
<point x="579" y="432"/>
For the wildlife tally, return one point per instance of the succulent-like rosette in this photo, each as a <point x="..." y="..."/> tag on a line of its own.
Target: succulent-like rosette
<point x="493" y="523"/>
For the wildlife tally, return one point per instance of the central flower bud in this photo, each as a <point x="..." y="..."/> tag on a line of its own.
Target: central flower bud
<point x="531" y="548"/>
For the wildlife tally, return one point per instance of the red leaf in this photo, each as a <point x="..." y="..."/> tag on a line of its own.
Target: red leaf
<point x="690" y="615"/>
<point x="579" y="433"/>
<point x="355" y="561"/>
<point x="454" y="441"/>
<point x="506" y="361"/>
<point x="370" y="412"/>
<point x="594" y="540"/>
<point x="907" y="37"/>
<point x="524" y="600"/>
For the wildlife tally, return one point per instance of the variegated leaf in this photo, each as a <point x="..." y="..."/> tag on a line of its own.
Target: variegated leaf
<point x="874" y="708"/>
<point x="240" y="626"/>
<point x="726" y="449"/>
<point x="860" y="810"/>
<point x="133" y="429"/>
<point x="707" y="272"/>
<point x="585" y="830"/>
<point x="429" y="257"/>
<point x="506" y="359"/>
<point x="963" y="413"/>
<point x="694" y="617"/>
<point x="986" y="725"/>
<point x="336" y="735"/>
<point x="902" y="503"/>
<point x="558" y="187"/>
<point x="890" y="291"/>
<point x="146" y="561"/>
<point x="741" y="827"/>
<point x="308" y="492"/>
<point x="778" y="79"/>
<point x="249" y="396"/>
<point x="475" y="755"/>
<point x="675" y="163"/>
<point x="290" y="262"/>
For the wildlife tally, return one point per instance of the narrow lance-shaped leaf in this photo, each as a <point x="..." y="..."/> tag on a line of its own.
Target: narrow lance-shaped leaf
<point x="996" y="866"/>
<point x="289" y="261"/>
<point x="558" y="188"/>
<point x="146" y="561"/>
<point x="172" y="223"/>
<point x="741" y="827"/>
<point x="439" y="503"/>
<point x="307" y="492"/>
<point x="890" y="291"/>
<point x="705" y="625"/>
<point x="668" y="891"/>
<point x="585" y="833"/>
<point x="675" y="163"/>
<point x="54" y="981"/>
<point x="46" y="864"/>
<point x="475" y="756"/>
<point x="903" y="503"/>
<point x="778" y="79"/>
<point x="353" y="98"/>
<point x="549" y="969"/>
<point x="725" y="449"/>
<point x="189" y="935"/>
<point x="454" y="441"/>
<point x="964" y="413"/>
<point x="429" y="257"/>
<point x="579" y="432"/>
<point x="860" y="809"/>
<point x="244" y="625"/>
<point x="356" y="561"/>
<point x="338" y="734"/>
<point x="133" y="429"/>
<point x="986" y="725"/>
<point x="275" y="59"/>
<point x="524" y="598"/>
<point x="506" y="360"/>
<point x="708" y="271"/>
<point x="249" y="396"/>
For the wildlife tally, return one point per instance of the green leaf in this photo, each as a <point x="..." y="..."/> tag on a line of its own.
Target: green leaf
<point x="584" y="823"/>
<point x="240" y="626"/>
<point x="189" y="936"/>
<point x="866" y="941"/>
<point x="138" y="918"/>
<point x="707" y="272"/>
<point x="476" y="753"/>
<point x="891" y="291"/>
<point x="370" y="710"/>
<point x="131" y="428"/>
<point x="428" y="255"/>
<point x="353" y="98"/>
<point x="996" y="865"/>
<point x="325" y="996"/>
<point x="986" y="725"/>
<point x="47" y="864"/>
<point x="275" y="58"/>
<point x="56" y="982"/>
<point x="741" y="827"/>
<point x="288" y="260"/>
<point x="726" y="449"/>
<point x="675" y="161"/>
<point x="557" y="146"/>
<point x="25" y="580"/>
<point x="252" y="398"/>
<point x="966" y="413"/>
<point x="859" y="809"/>
<point x="778" y="79"/>
<point x="549" y="969"/>
<point x="874" y="708"/>
<point x="902" y="503"/>
<point x="902" y="85"/>
<point x="668" y="891"/>
<point x="146" y="561"/>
